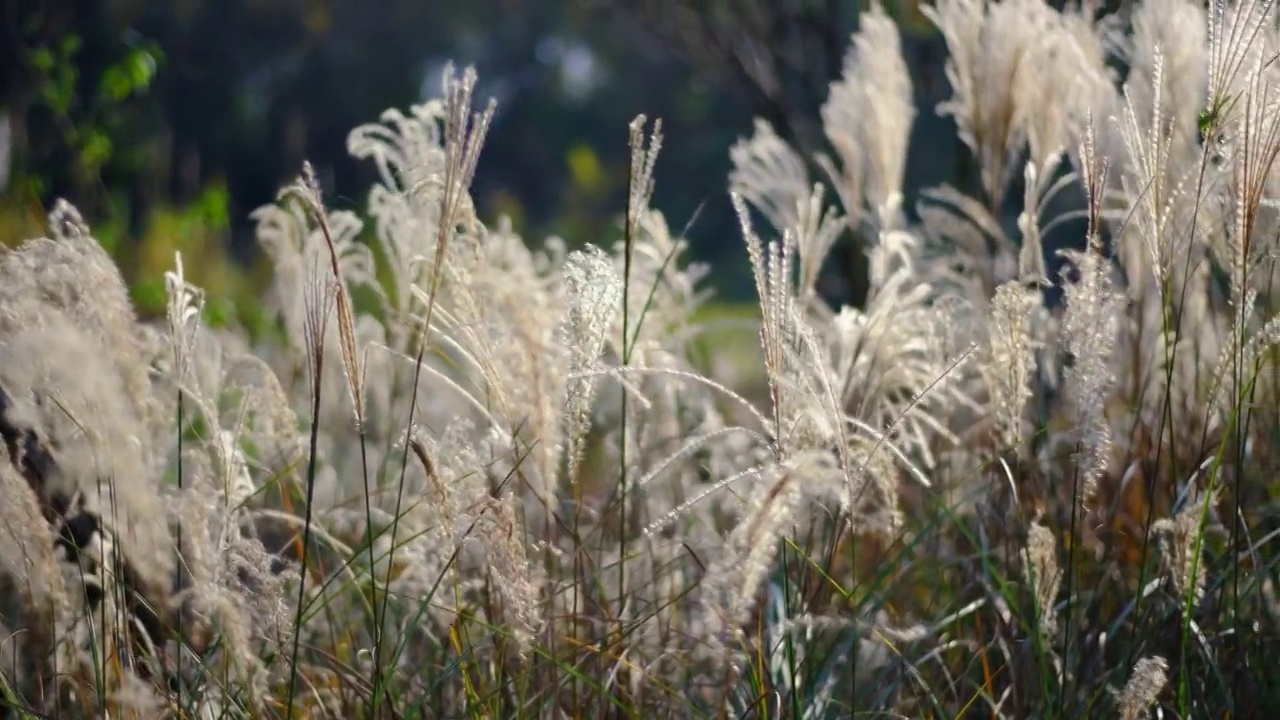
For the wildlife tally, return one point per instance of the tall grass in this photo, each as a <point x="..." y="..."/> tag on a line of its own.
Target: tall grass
<point x="468" y="476"/>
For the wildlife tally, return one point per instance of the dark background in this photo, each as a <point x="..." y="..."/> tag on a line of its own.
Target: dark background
<point x="135" y="108"/>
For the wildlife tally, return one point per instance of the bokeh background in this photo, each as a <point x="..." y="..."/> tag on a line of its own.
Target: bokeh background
<point x="168" y="121"/>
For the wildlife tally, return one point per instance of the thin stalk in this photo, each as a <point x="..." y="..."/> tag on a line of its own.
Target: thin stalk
<point x="313" y="449"/>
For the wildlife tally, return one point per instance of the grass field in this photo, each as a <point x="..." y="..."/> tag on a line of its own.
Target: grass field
<point x="463" y="475"/>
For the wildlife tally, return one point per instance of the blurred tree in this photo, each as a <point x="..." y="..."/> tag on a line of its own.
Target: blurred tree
<point x="783" y="55"/>
<point x="568" y="84"/>
<point x="73" y="84"/>
<point x="256" y="86"/>
<point x="140" y="107"/>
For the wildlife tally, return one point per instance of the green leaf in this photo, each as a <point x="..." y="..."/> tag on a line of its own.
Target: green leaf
<point x="42" y="60"/>
<point x="142" y="68"/>
<point x="116" y="84"/>
<point x="71" y="45"/>
<point x="133" y="74"/>
<point x="96" y="148"/>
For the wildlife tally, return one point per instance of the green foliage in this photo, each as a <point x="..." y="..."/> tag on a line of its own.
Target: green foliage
<point x="132" y="74"/>
<point x="87" y="105"/>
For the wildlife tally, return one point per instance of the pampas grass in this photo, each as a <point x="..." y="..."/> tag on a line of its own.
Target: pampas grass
<point x="471" y="476"/>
